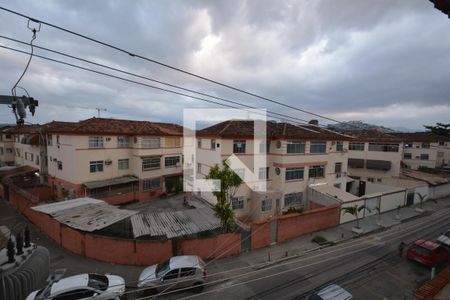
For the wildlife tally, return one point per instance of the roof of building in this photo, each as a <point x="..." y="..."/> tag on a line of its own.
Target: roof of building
<point x="85" y="214"/>
<point x="420" y="137"/>
<point x="274" y="130"/>
<point x="115" y="126"/>
<point x="334" y="192"/>
<point x="112" y="181"/>
<point x="174" y="224"/>
<point x="432" y="179"/>
<point x="373" y="136"/>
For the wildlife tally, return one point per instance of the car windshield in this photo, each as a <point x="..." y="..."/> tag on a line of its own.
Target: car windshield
<point x="447" y="234"/>
<point x="162" y="268"/>
<point x="423" y="251"/>
<point x="98" y="282"/>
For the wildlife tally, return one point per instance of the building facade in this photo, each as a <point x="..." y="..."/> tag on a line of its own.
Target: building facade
<point x="295" y="158"/>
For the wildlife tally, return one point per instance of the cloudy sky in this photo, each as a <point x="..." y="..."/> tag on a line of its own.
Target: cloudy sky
<point x="385" y="62"/>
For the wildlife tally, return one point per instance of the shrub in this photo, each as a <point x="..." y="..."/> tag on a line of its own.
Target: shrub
<point x="292" y="210"/>
<point x="318" y="239"/>
<point x="52" y="197"/>
<point x="427" y="170"/>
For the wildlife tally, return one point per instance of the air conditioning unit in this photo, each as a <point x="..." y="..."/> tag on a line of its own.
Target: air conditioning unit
<point x="108" y="162"/>
<point x="108" y="139"/>
<point x="55" y="160"/>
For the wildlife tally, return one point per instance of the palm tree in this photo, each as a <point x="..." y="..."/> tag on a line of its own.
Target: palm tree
<point x="378" y="209"/>
<point x="422" y="199"/>
<point x="355" y="210"/>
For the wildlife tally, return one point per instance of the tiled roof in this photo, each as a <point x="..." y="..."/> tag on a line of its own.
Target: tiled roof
<point x="420" y="137"/>
<point x="373" y="135"/>
<point x="114" y="126"/>
<point x="432" y="287"/>
<point x="245" y="129"/>
<point x="23" y="129"/>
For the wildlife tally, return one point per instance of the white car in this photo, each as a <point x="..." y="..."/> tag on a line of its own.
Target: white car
<point x="445" y="238"/>
<point x="178" y="272"/>
<point x="332" y="292"/>
<point x="83" y="286"/>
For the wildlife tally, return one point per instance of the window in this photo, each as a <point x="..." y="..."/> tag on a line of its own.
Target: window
<point x="172" y="142"/>
<point x="356" y="146"/>
<point x="407" y="156"/>
<point x="318" y="147"/>
<point x="151" y="143"/>
<point x="440" y="143"/>
<point x="338" y="167"/>
<point x="316" y="171"/>
<point x="383" y="147"/>
<point x="171" y="161"/>
<point x="264" y="147"/>
<point x="50" y="140"/>
<point x="1" y="150"/>
<point x="237" y="202"/>
<point x="293" y="199"/>
<point x="199" y="168"/>
<point x="339" y="146"/>
<point x="439" y="154"/>
<point x="199" y="143"/>
<point x="426" y="145"/>
<point x="266" y="204"/>
<point x="263" y="173"/>
<point x="98" y="282"/>
<point x="9" y="150"/>
<point x="294" y="173"/>
<point x="186" y="272"/>
<point x="213" y="144"/>
<point x="171" y="275"/>
<point x="370" y="179"/>
<point x="295" y="147"/>
<point x="57" y="141"/>
<point x="240" y="172"/>
<point x="31" y="157"/>
<point x="151" y="184"/>
<point x="407" y="145"/>
<point x="424" y="156"/>
<point x="60" y="166"/>
<point x="123" y="141"/>
<point x="150" y="163"/>
<point x="37" y="159"/>
<point x="337" y="185"/>
<point x="239" y="146"/>
<point x="123" y="164"/>
<point x="95" y="142"/>
<point x="96" y="166"/>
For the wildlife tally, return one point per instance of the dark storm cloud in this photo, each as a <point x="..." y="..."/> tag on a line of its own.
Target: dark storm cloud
<point x="347" y="59"/>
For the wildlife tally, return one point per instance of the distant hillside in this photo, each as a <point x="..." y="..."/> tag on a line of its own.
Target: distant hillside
<point x="359" y="125"/>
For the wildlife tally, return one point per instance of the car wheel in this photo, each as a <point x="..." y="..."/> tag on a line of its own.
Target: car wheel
<point x="197" y="287"/>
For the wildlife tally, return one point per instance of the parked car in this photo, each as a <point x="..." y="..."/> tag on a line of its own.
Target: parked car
<point x="84" y="286"/>
<point x="176" y="273"/>
<point x="427" y="253"/>
<point x="445" y="238"/>
<point x="332" y="292"/>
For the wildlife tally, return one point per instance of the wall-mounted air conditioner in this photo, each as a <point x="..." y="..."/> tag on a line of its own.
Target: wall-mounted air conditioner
<point x="108" y="162"/>
<point x="108" y="139"/>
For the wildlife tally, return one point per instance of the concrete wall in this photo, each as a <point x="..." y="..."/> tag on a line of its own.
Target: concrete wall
<point x="439" y="191"/>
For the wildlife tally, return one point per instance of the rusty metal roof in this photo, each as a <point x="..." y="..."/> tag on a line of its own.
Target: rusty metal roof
<point x="174" y="224"/>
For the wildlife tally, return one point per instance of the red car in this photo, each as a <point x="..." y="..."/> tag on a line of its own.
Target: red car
<point x="428" y="253"/>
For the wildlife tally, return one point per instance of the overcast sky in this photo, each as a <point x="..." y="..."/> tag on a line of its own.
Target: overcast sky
<point x="384" y="62"/>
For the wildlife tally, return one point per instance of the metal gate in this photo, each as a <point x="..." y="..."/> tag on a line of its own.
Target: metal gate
<point x="246" y="240"/>
<point x="273" y="231"/>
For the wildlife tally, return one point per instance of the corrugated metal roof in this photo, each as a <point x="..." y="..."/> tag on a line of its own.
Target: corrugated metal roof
<point x="64" y="205"/>
<point x="108" y="182"/>
<point x="86" y="214"/>
<point x="174" y="224"/>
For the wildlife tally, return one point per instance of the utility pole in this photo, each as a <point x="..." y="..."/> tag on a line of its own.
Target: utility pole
<point x="99" y="109"/>
<point x="18" y="105"/>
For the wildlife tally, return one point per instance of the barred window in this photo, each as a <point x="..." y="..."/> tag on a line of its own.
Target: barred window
<point x="213" y="144"/>
<point x="424" y="156"/>
<point x="237" y="203"/>
<point x="239" y="146"/>
<point x="339" y="146"/>
<point x="123" y="164"/>
<point x="123" y="141"/>
<point x="407" y="155"/>
<point x="263" y="173"/>
<point x="318" y="147"/>
<point x="316" y="171"/>
<point x="295" y="147"/>
<point x="95" y="142"/>
<point x="151" y="143"/>
<point x="293" y="199"/>
<point x="294" y="173"/>
<point x="356" y="146"/>
<point x="383" y="147"/>
<point x="151" y="184"/>
<point x="266" y="204"/>
<point x="151" y="163"/>
<point x="96" y="166"/>
<point x="171" y="161"/>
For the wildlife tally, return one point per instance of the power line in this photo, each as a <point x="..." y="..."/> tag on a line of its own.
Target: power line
<point x="167" y="65"/>
<point x="177" y="93"/>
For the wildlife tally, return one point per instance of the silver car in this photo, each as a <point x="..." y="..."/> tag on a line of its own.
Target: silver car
<point x="332" y="292"/>
<point x="176" y="273"/>
<point x="84" y="286"/>
<point x="445" y="238"/>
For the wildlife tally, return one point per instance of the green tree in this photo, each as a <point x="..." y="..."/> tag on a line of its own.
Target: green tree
<point x="440" y="129"/>
<point x="229" y="183"/>
<point x="421" y="199"/>
<point x="355" y="210"/>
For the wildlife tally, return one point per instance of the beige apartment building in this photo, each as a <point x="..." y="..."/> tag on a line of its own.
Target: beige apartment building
<point x="425" y="149"/>
<point x="374" y="155"/>
<point x="7" y="150"/>
<point x="115" y="160"/>
<point x="296" y="157"/>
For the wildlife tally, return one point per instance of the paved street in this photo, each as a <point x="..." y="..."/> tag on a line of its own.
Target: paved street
<point x="368" y="266"/>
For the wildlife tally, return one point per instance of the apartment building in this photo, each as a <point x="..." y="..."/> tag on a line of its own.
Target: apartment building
<point x="7" y="151"/>
<point x="424" y="149"/>
<point x="115" y="160"/>
<point x="295" y="158"/>
<point x="374" y="155"/>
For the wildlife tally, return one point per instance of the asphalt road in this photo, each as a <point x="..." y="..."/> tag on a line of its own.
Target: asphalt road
<point x="369" y="267"/>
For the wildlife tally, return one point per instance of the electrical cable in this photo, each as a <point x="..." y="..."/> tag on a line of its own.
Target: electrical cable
<point x="167" y="65"/>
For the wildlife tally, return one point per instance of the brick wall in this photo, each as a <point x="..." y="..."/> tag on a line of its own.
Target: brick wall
<point x="152" y="252"/>
<point x="72" y="240"/>
<point x="120" y="199"/>
<point x="260" y="235"/>
<point x="108" y="249"/>
<point x="294" y="225"/>
<point x="211" y="247"/>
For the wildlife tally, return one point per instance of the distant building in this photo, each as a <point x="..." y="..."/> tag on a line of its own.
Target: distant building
<point x="297" y="156"/>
